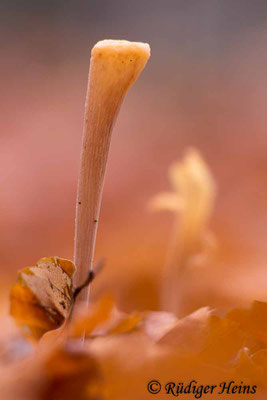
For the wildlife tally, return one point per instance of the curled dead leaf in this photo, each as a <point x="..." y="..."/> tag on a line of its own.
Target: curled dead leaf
<point x="189" y="333"/>
<point x="85" y="323"/>
<point x="63" y="372"/>
<point x="70" y="374"/>
<point x="103" y="319"/>
<point x="253" y="321"/>
<point x="41" y="298"/>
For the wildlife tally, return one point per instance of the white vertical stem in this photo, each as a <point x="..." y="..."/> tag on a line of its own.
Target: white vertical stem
<point x="114" y="67"/>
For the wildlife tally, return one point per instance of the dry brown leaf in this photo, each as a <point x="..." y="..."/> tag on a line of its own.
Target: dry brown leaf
<point x="131" y="349"/>
<point x="189" y="333"/>
<point x="156" y="324"/>
<point x="260" y="360"/>
<point x="62" y="373"/>
<point x="252" y="321"/>
<point x="87" y="322"/>
<point x="126" y="324"/>
<point x="224" y="340"/>
<point x="70" y="374"/>
<point x="201" y="346"/>
<point x="103" y="319"/>
<point x="41" y="298"/>
<point x="246" y="368"/>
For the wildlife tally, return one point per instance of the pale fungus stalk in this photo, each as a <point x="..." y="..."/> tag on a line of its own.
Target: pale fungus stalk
<point x="191" y="243"/>
<point x="114" y="67"/>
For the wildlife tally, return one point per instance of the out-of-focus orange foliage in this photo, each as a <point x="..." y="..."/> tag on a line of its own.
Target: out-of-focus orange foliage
<point x="62" y="373"/>
<point x="252" y="321"/>
<point x="201" y="346"/>
<point x="70" y="374"/>
<point x="122" y="351"/>
<point x="103" y="319"/>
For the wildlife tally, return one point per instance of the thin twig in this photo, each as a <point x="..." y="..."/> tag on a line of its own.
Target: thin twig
<point x="91" y="276"/>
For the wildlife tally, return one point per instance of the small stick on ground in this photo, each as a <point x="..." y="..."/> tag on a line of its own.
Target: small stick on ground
<point x="91" y="276"/>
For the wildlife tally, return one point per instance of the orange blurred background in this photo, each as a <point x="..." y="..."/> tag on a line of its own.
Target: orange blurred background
<point x="204" y="86"/>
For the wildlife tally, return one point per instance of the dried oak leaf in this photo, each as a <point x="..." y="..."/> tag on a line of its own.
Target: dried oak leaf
<point x="223" y="341"/>
<point x="71" y="373"/>
<point x="252" y="321"/>
<point x="189" y="333"/>
<point x="247" y="367"/>
<point x="65" y="372"/>
<point x="41" y="298"/>
<point x="103" y="319"/>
